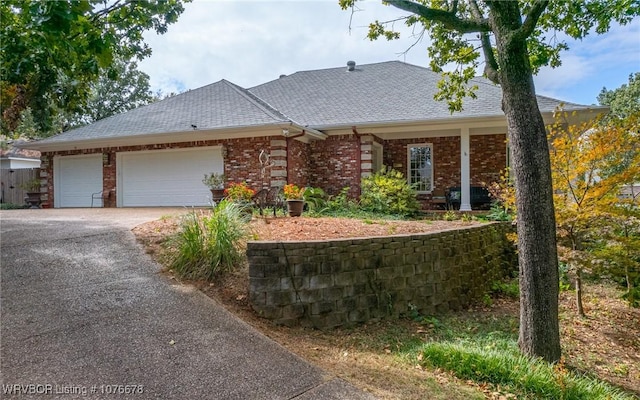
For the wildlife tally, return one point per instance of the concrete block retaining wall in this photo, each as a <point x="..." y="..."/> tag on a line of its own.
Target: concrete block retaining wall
<point x="326" y="284"/>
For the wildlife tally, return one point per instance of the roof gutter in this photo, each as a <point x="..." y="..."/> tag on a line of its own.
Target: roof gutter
<point x="166" y="137"/>
<point x="479" y="119"/>
<point x="307" y="130"/>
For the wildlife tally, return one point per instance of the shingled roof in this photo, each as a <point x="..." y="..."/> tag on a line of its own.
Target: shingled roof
<point x="391" y="91"/>
<point x="377" y="93"/>
<point x="215" y="106"/>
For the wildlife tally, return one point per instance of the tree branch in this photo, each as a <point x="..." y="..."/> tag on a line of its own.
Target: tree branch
<point x="532" y="19"/>
<point x="491" y="65"/>
<point x="107" y="10"/>
<point x="447" y="18"/>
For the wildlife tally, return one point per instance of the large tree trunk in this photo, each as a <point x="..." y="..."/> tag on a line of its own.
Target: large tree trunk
<point x="539" y="328"/>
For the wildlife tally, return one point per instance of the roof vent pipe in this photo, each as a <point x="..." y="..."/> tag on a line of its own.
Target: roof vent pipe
<point x="351" y="65"/>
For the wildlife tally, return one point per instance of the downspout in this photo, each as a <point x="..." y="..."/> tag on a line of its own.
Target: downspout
<point x="359" y="161"/>
<point x="288" y="156"/>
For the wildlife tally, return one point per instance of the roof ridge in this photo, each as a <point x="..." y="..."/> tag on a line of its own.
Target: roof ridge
<point x="257" y="101"/>
<point x="360" y="65"/>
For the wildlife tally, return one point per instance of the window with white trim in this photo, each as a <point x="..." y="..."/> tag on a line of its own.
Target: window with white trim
<point x="420" y="166"/>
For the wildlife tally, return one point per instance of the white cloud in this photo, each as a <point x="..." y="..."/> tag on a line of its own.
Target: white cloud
<point x="251" y="42"/>
<point x="594" y="62"/>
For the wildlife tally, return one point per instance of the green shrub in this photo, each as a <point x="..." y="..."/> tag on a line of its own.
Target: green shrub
<point x="565" y="280"/>
<point x="499" y="212"/>
<point x="340" y="204"/>
<point x="388" y="192"/>
<point x="209" y="243"/>
<point x="315" y="198"/>
<point x="450" y="215"/>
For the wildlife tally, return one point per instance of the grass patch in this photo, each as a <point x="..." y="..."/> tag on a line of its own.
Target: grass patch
<point x="12" y="206"/>
<point x="209" y="243"/>
<point x="485" y="350"/>
<point x="520" y="374"/>
<point x="397" y="359"/>
<point x="506" y="288"/>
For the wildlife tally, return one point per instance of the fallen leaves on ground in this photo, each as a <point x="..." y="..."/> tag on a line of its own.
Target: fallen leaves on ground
<point x="606" y="343"/>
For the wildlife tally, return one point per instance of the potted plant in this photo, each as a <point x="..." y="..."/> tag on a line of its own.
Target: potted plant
<point x="242" y="195"/>
<point x="239" y="192"/>
<point x="215" y="182"/>
<point x="295" y="201"/>
<point x="32" y="187"/>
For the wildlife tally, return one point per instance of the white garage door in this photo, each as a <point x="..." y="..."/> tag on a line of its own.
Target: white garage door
<point x="75" y="179"/>
<point x="166" y="177"/>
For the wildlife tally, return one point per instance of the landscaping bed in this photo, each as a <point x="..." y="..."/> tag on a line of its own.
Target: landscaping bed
<point x="374" y="356"/>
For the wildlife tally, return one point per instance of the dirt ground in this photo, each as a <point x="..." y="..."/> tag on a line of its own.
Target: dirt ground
<point x="606" y="342"/>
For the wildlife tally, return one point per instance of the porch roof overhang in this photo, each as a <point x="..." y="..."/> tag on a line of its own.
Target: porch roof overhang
<point x="386" y="128"/>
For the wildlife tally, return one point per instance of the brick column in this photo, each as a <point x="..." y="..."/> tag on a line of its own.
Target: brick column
<point x="278" y="158"/>
<point x="366" y="156"/>
<point x="109" y="179"/>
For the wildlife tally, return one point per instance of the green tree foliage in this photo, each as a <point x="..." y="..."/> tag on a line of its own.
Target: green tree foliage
<point x="388" y="192"/>
<point x="51" y="51"/>
<point x="624" y="100"/>
<point x="514" y="39"/>
<point x="110" y="95"/>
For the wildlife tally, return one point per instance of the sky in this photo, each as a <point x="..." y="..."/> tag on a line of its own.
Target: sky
<point x="249" y="42"/>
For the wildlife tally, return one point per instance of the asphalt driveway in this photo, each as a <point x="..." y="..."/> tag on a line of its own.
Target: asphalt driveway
<point x="86" y="314"/>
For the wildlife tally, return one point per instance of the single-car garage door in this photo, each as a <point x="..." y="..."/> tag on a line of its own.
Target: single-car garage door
<point x="75" y="179"/>
<point x="166" y="177"/>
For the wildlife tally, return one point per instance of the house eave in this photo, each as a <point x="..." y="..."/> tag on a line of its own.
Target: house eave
<point x="19" y="158"/>
<point x="412" y="125"/>
<point x="440" y="124"/>
<point x="174" y="137"/>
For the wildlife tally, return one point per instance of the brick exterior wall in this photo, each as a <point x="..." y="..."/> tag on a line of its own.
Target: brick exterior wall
<point x="241" y="162"/>
<point x="446" y="159"/>
<point x="335" y="164"/>
<point x="331" y="164"/>
<point x="298" y="162"/>
<point x="487" y="158"/>
<point x="325" y="284"/>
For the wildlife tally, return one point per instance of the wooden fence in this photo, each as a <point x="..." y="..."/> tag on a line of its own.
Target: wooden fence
<point x="10" y="181"/>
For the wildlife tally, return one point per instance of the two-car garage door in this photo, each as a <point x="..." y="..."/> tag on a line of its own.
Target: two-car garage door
<point x="166" y="177"/>
<point x="144" y="178"/>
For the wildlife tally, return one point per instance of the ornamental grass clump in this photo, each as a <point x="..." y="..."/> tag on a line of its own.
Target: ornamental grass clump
<point x="210" y="243"/>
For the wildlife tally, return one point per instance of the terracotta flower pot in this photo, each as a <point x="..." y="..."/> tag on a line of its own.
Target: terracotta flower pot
<point x="294" y="207"/>
<point x="217" y="195"/>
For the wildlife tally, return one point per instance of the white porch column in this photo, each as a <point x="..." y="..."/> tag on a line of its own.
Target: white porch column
<point x="465" y="174"/>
